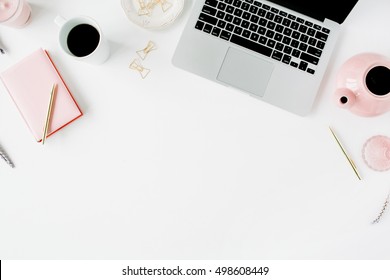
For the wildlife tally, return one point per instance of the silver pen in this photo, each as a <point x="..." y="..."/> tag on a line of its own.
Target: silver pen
<point x="6" y="158"/>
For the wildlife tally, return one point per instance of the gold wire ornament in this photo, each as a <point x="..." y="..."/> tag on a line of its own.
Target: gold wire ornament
<point x="145" y="51"/>
<point x="137" y="66"/>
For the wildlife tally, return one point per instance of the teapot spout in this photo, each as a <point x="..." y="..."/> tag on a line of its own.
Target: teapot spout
<point x="345" y="98"/>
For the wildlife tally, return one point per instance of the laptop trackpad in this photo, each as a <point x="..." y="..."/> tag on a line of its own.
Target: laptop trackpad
<point x="245" y="71"/>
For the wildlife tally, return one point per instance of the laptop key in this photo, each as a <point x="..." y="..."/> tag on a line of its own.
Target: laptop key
<point x="208" y="28"/>
<point x="309" y="58"/>
<point x="199" y="25"/>
<point x="212" y="3"/>
<point x="303" y="65"/>
<point x="225" y="35"/>
<point x="221" y="6"/>
<point x="245" y="24"/>
<point x="320" y="45"/>
<point x="253" y="9"/>
<point x="271" y="43"/>
<point x="220" y="15"/>
<point x="286" y="59"/>
<point x="314" y="51"/>
<point x="251" y="45"/>
<point x="279" y="46"/>
<point x="261" y="12"/>
<point x="246" y="15"/>
<point x="238" y="12"/>
<point x="255" y="37"/>
<point x="296" y="53"/>
<point x="238" y="30"/>
<point x="263" y="40"/>
<point x="311" y="32"/>
<point x="253" y="27"/>
<point x="208" y="10"/>
<point x="216" y="31"/>
<point x="321" y="36"/>
<point x="277" y="55"/>
<point x="246" y="33"/>
<point x="229" y="27"/>
<point x="221" y="24"/>
<point x="237" y="3"/>
<point x="245" y="6"/>
<point x="208" y="19"/>
<point x="229" y="18"/>
<point x="311" y="71"/>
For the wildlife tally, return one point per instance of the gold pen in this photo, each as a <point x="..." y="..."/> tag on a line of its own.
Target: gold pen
<point x="345" y="154"/>
<point x="48" y="115"/>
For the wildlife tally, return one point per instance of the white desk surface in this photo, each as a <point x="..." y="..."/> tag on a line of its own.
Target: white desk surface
<point x="177" y="167"/>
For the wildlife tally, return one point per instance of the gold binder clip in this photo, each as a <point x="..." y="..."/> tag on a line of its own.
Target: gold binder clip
<point x="137" y="66"/>
<point x="143" y="8"/>
<point x="144" y="52"/>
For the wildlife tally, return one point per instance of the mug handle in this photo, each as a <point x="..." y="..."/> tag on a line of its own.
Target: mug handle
<point x="60" y="21"/>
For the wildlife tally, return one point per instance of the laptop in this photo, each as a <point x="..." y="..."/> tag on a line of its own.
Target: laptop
<point x="276" y="51"/>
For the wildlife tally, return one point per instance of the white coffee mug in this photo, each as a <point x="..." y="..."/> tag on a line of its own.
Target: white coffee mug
<point x="81" y="38"/>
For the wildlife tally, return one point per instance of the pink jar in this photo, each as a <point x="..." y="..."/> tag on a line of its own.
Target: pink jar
<point x="14" y="13"/>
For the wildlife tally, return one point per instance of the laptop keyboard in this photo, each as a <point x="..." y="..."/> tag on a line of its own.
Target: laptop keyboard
<point x="266" y="30"/>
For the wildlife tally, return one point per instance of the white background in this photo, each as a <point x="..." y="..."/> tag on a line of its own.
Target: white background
<point x="177" y="167"/>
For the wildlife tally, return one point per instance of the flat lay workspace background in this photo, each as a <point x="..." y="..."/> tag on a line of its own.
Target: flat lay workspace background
<point x="177" y="167"/>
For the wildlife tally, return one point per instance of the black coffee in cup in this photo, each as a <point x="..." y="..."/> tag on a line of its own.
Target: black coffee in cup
<point x="83" y="39"/>
<point x="378" y="80"/>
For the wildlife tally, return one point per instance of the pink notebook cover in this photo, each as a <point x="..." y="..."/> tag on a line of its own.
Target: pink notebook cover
<point x="29" y="84"/>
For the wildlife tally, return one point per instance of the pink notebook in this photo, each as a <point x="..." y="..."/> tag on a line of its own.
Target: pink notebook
<point x="29" y="84"/>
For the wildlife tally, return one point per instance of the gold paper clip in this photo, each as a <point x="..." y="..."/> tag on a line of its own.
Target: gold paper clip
<point x="152" y="4"/>
<point x="144" y="52"/>
<point x="143" y="10"/>
<point x="165" y="5"/>
<point x="136" y="65"/>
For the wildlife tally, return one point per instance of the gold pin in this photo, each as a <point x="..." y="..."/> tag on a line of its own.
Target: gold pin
<point x="137" y="66"/>
<point x="144" y="52"/>
<point x="345" y="154"/>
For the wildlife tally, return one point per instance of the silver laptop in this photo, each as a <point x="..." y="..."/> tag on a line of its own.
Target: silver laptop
<point x="276" y="50"/>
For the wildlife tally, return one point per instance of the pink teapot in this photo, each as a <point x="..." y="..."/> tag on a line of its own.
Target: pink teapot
<point x="363" y="85"/>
